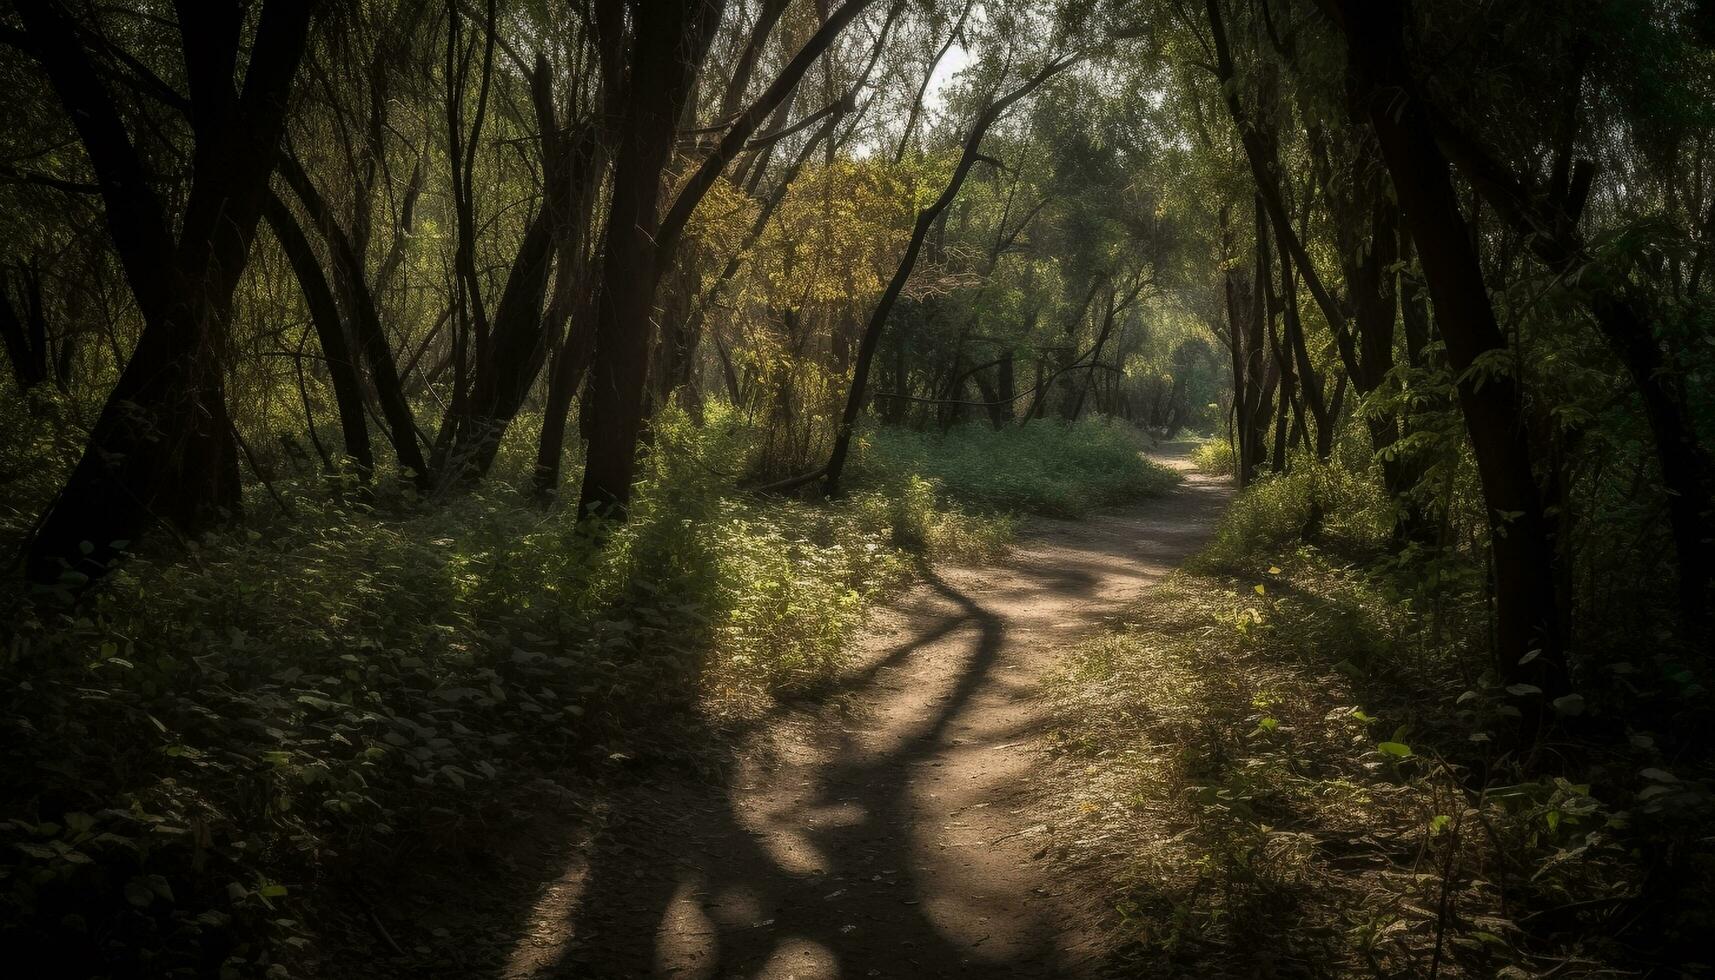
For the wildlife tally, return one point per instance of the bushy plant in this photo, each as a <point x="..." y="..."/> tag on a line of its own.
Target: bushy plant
<point x="1337" y="507"/>
<point x="1215" y="457"/>
<point x="1311" y="732"/>
<point x="223" y="724"/>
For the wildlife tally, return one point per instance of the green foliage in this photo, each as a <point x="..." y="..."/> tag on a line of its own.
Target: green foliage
<point x="217" y="731"/>
<point x="1215" y="457"/>
<point x="1045" y="467"/>
<point x="1356" y="515"/>
<point x="1296" y="749"/>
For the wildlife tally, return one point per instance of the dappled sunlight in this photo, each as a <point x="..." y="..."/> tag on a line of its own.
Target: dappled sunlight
<point x="543" y="937"/>
<point x="884" y="832"/>
<point x="531" y="489"/>
<point x="692" y="933"/>
<point x="799" y="957"/>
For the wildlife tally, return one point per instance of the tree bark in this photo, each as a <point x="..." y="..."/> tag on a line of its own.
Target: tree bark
<point x="163" y="446"/>
<point x="1528" y="647"/>
<point x="26" y="336"/>
<point x="330" y="332"/>
<point x="366" y="323"/>
<point x="662" y="65"/>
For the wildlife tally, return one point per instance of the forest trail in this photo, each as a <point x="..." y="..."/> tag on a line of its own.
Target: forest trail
<point x="882" y="833"/>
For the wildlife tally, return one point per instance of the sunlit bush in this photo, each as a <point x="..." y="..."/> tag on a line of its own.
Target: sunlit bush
<point x="221" y="718"/>
<point x="1215" y="457"/>
<point x="1325" y="502"/>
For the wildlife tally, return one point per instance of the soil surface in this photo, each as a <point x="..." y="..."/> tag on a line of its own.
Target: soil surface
<point x="886" y="832"/>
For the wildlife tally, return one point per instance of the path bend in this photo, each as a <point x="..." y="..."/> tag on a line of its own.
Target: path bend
<point x="886" y="833"/>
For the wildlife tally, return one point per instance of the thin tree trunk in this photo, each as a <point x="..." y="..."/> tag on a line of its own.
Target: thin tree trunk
<point x="925" y="220"/>
<point x="330" y="332"/>
<point x="366" y="321"/>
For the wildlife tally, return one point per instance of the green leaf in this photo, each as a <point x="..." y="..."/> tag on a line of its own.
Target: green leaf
<point x="1398" y="750"/>
<point x="1523" y="690"/>
<point x="1571" y="704"/>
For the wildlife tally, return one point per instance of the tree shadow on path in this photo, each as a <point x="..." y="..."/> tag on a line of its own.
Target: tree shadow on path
<point x="823" y="871"/>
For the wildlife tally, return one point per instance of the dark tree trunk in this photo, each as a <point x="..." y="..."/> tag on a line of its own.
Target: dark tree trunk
<point x="1239" y="423"/>
<point x="661" y="71"/>
<point x="26" y="336"/>
<point x="1523" y="556"/>
<point x="523" y="332"/>
<point x="324" y="315"/>
<point x="163" y="446"/>
<point x="1309" y="384"/>
<point x="1288" y="396"/>
<point x="366" y="322"/>
<point x="579" y="267"/>
<point x="1262" y="154"/>
<point x="1626" y="321"/>
<point x="682" y="335"/>
<point x="1261" y="373"/>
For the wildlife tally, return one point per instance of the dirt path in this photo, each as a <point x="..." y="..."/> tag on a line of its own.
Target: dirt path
<point x="882" y="835"/>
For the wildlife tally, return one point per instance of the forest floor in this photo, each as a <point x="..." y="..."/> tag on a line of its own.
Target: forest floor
<point x="886" y="830"/>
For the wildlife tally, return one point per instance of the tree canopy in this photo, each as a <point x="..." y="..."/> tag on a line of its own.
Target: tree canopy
<point x="550" y="278"/>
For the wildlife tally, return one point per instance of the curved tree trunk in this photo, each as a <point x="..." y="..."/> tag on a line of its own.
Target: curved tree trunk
<point x="371" y="338"/>
<point x="324" y="314"/>
<point x="925" y="220"/>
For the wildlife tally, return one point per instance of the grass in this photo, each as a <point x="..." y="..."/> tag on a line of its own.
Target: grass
<point x="1053" y="468"/>
<point x="219" y="741"/>
<point x="1280" y="763"/>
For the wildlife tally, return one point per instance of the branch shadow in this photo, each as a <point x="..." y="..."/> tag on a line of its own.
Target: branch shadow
<point x="692" y="882"/>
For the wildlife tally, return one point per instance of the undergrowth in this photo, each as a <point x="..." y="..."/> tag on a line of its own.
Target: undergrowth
<point x="1050" y="467"/>
<point x="1283" y="763"/>
<point x="227" y="731"/>
<point x="1215" y="457"/>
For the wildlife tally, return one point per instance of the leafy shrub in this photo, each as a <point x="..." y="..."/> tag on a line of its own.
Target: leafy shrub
<point x="1215" y="457"/>
<point x="214" y="733"/>
<point x="1352" y="515"/>
<point x="224" y="728"/>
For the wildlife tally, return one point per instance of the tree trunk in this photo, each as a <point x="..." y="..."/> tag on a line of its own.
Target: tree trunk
<point x="661" y="74"/>
<point x="366" y="322"/>
<point x="324" y="315"/>
<point x="925" y="220"/>
<point x="163" y="446"/>
<point x="26" y="336"/>
<point x="1522" y="554"/>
